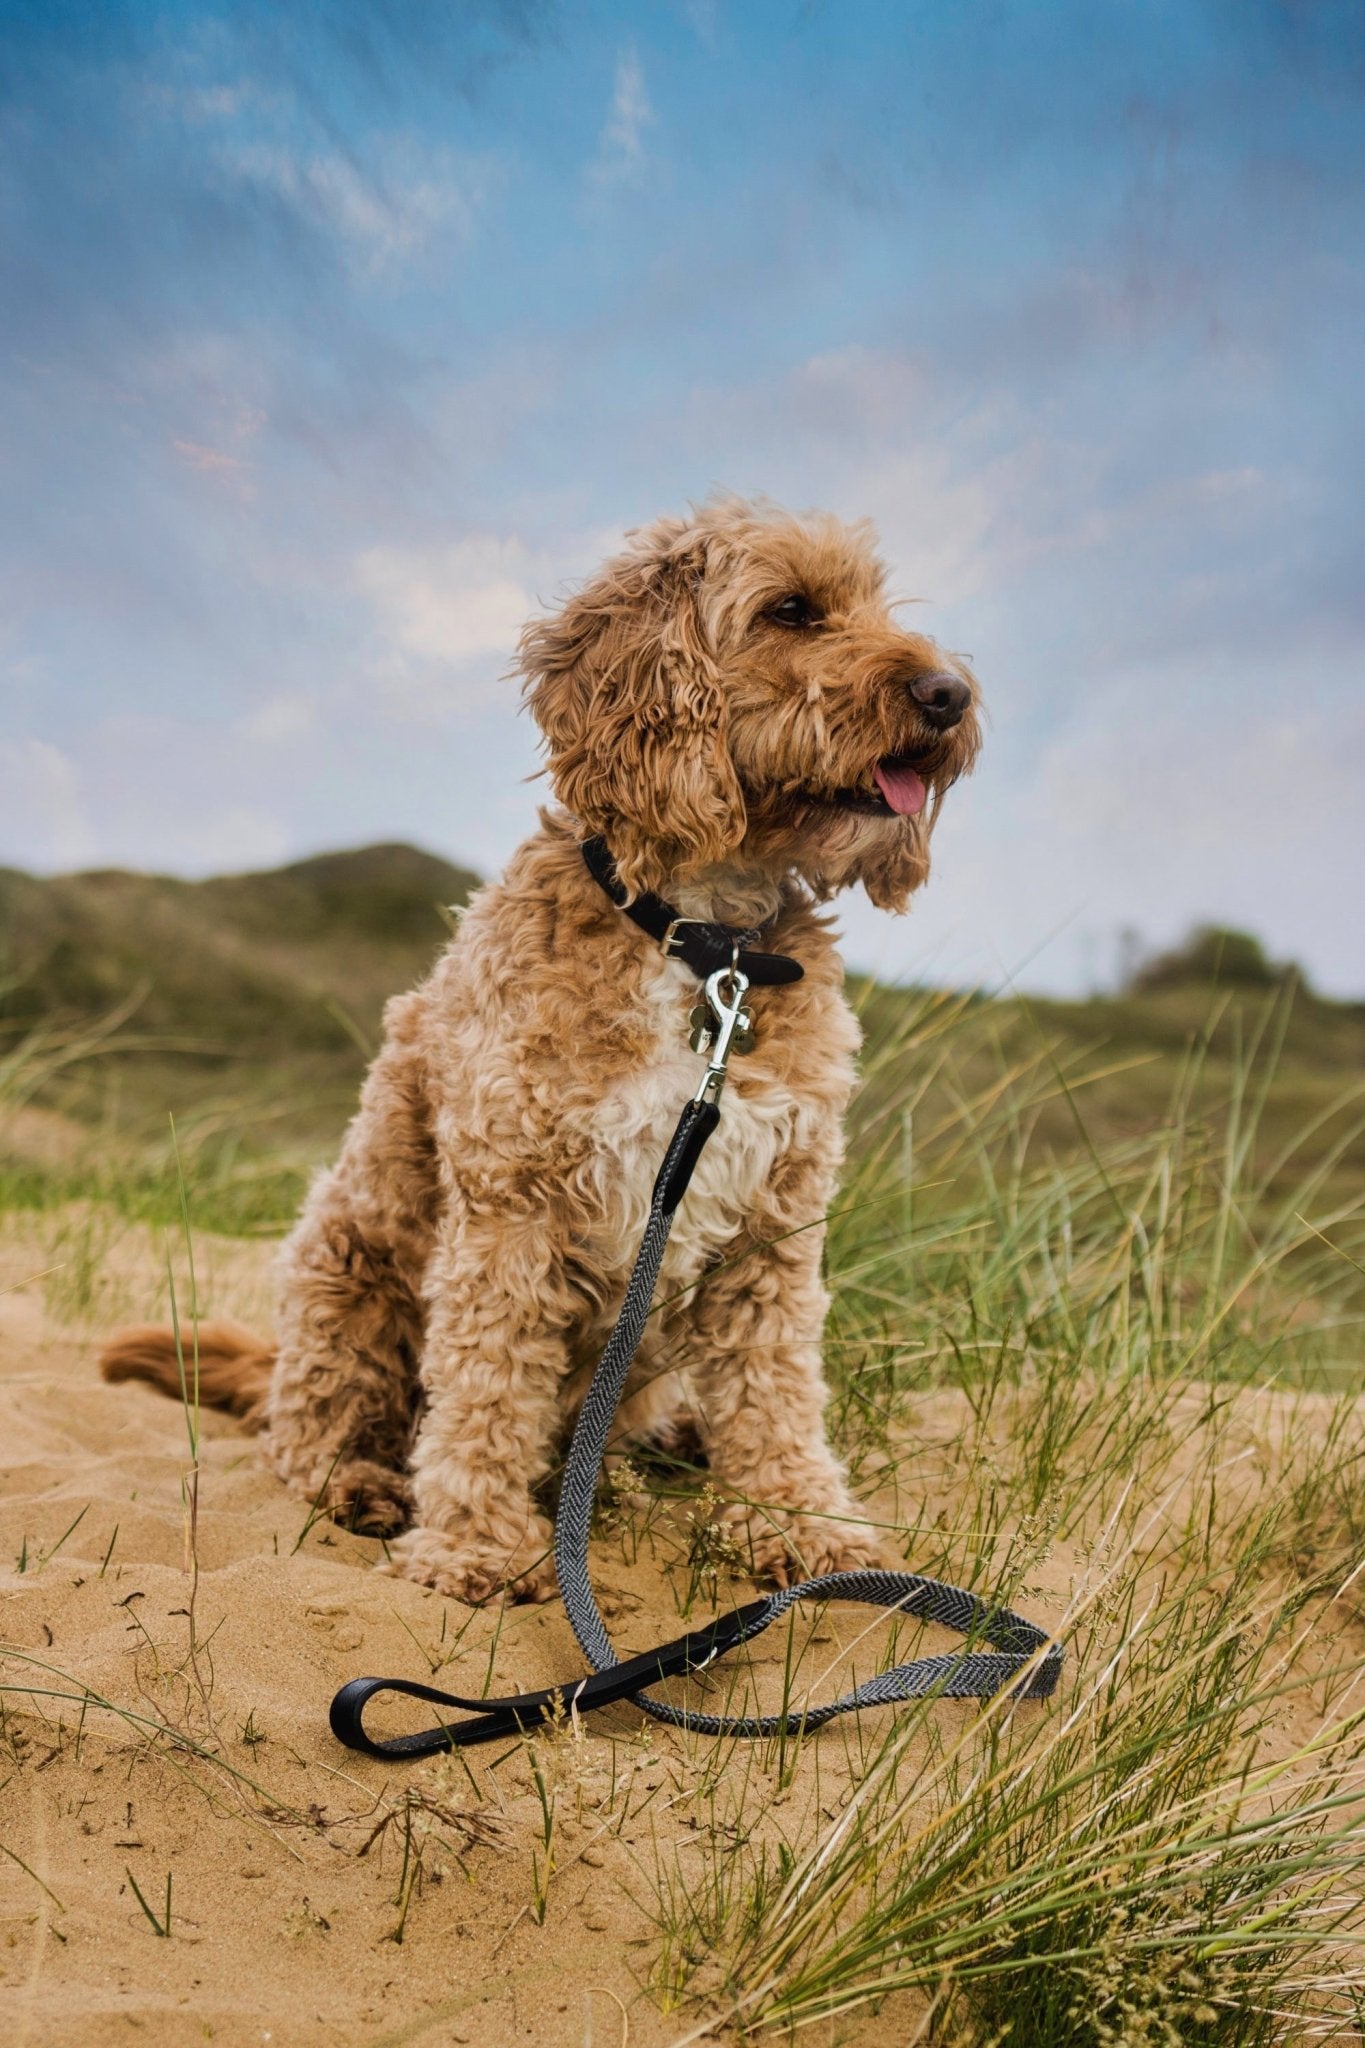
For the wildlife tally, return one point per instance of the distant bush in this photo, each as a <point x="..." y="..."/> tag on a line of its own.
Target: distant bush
<point x="1212" y="953"/>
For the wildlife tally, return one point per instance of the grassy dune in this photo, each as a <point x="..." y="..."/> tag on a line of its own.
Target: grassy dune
<point x="1099" y="1273"/>
<point x="247" y="1006"/>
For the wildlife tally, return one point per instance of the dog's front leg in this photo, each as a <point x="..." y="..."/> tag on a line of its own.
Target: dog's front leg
<point x="492" y="1369"/>
<point x="757" y="1326"/>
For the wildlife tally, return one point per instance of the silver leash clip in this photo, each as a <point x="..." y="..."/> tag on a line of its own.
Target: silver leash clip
<point x="728" y="1029"/>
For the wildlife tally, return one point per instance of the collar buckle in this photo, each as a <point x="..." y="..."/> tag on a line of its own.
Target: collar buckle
<point x="670" y="937"/>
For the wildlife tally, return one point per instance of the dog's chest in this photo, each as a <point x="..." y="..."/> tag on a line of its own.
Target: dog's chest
<point x="761" y="1120"/>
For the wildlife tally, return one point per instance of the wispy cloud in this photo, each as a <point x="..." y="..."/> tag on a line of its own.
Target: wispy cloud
<point x="229" y="471"/>
<point x="442" y="610"/>
<point x="400" y="204"/>
<point x="703" y="18"/>
<point x="620" y="158"/>
<point x="291" y="715"/>
<point x="447" y="618"/>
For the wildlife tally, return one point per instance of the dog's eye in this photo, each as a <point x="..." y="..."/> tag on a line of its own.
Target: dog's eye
<point x="796" y="611"/>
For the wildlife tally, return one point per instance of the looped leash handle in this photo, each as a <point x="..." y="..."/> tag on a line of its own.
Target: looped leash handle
<point x="1020" y="1651"/>
<point x="491" y="1720"/>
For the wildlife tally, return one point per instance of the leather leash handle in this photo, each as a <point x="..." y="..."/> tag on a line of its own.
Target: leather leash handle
<point x="517" y="1713"/>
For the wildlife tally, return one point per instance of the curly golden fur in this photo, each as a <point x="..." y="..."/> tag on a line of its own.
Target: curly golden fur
<point x="715" y="703"/>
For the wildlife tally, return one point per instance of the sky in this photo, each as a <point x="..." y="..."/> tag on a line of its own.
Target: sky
<point x="337" y="338"/>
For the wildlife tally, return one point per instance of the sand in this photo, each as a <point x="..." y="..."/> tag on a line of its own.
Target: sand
<point x="285" y="1928"/>
<point x="316" y="1896"/>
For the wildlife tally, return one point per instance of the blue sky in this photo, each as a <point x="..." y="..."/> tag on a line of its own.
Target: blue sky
<point x="337" y="337"/>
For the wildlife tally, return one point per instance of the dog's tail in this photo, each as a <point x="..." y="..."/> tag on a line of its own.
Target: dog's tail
<point x="234" y="1367"/>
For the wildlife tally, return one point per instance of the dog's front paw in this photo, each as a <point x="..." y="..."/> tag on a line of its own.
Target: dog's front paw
<point x="788" y="1546"/>
<point x="476" y="1572"/>
<point x="360" y="1493"/>
<point x="371" y="1499"/>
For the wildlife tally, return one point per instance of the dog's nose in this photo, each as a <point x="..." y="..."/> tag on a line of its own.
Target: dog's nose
<point x="941" y="699"/>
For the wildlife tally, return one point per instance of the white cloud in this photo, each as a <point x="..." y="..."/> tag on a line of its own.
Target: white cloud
<point x="45" y="823"/>
<point x="449" y="615"/>
<point x="404" y="201"/>
<point x="449" y="605"/>
<point x="285" y="717"/>
<point x="621" y="148"/>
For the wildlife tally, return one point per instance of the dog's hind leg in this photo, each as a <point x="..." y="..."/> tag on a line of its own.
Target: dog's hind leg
<point x="342" y="1403"/>
<point x="340" y="1409"/>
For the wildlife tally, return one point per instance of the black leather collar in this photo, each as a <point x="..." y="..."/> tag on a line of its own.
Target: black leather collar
<point x="698" y="943"/>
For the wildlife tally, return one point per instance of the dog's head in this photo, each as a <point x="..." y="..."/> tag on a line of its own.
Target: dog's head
<point x="734" y="690"/>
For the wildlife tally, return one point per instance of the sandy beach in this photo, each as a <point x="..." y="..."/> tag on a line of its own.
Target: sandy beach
<point x="293" y="1920"/>
<point x="166" y="1725"/>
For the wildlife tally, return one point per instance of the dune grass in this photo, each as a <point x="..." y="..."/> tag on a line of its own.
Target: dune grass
<point x="1106" y="1370"/>
<point x="1140" y="1366"/>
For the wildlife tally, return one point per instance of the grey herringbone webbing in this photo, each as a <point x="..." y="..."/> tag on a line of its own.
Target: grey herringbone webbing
<point x="1021" y="1650"/>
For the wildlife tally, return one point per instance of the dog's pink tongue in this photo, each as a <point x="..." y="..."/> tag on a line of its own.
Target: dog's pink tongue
<point x="901" y="787"/>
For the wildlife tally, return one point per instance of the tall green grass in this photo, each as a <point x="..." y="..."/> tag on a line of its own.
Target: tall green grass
<point x="239" y="1180"/>
<point x="1119" y="1382"/>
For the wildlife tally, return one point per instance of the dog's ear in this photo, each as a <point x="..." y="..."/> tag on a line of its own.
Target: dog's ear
<point x="625" y="686"/>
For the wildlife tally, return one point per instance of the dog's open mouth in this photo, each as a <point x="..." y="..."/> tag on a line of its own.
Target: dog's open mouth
<point x="900" y="790"/>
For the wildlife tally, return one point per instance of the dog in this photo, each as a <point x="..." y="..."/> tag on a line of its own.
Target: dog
<point x="731" y="707"/>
